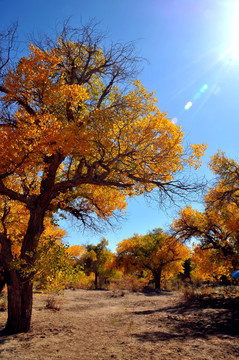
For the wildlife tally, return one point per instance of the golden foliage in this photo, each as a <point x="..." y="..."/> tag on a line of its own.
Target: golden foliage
<point x="155" y="252"/>
<point x="210" y="264"/>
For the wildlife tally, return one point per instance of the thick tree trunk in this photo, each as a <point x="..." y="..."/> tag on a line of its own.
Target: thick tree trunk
<point x="96" y="280"/>
<point x="3" y="280"/>
<point x="157" y="279"/>
<point x="20" y="290"/>
<point x="19" y="305"/>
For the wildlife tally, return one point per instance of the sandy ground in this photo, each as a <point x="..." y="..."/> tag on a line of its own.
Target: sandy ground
<point x="94" y="325"/>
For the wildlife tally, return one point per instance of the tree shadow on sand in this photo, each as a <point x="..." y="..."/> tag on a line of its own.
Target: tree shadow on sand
<point x="200" y="318"/>
<point x="3" y="339"/>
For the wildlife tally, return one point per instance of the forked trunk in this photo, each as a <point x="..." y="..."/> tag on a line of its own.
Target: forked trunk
<point x="19" y="305"/>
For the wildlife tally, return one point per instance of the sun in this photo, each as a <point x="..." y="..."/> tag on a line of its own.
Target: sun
<point x="234" y="33"/>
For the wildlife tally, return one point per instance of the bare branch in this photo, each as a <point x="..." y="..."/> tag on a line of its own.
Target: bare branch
<point x="7" y="43"/>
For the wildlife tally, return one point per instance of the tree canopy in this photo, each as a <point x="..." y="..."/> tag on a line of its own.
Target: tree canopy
<point x="156" y="252"/>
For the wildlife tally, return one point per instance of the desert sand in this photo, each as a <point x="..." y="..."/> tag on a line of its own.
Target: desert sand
<point x="103" y="325"/>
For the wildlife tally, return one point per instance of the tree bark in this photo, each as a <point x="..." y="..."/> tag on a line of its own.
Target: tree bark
<point x="20" y="289"/>
<point x="3" y="280"/>
<point x="19" y="304"/>
<point x="96" y="280"/>
<point x="157" y="279"/>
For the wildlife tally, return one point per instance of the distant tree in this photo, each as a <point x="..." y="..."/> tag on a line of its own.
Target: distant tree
<point x="156" y="252"/>
<point x="187" y="268"/>
<point x="95" y="260"/>
<point x="76" y="138"/>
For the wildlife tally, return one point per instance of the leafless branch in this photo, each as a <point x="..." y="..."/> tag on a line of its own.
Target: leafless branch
<point x="7" y="44"/>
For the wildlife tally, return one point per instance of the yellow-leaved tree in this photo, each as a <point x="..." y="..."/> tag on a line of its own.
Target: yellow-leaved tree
<point x="209" y="264"/>
<point x="74" y="140"/>
<point x="157" y="252"/>
<point x="217" y="227"/>
<point x="97" y="259"/>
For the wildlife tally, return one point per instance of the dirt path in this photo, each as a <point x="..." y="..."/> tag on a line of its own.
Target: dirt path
<point x="101" y="325"/>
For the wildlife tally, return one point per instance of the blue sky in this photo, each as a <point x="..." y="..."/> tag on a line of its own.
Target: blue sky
<point x="191" y="48"/>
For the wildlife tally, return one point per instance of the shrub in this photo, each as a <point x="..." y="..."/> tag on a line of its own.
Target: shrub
<point x="85" y="282"/>
<point x="189" y="295"/>
<point x="129" y="283"/>
<point x="53" y="303"/>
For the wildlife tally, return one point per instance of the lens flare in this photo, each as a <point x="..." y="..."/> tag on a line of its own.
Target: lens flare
<point x="188" y="105"/>
<point x="204" y="88"/>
